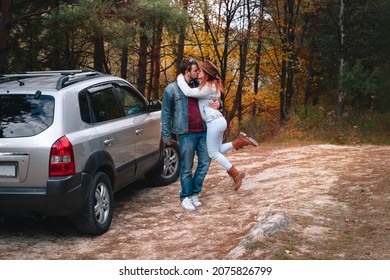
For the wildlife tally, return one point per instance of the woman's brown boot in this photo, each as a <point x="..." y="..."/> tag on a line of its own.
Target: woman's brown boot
<point x="237" y="177"/>
<point x="243" y="140"/>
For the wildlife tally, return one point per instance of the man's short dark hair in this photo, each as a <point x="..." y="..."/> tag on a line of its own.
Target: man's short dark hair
<point x="186" y="64"/>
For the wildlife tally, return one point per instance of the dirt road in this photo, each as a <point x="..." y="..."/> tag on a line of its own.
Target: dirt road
<point x="334" y="201"/>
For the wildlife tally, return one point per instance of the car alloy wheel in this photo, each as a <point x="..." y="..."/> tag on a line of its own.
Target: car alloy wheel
<point x="171" y="162"/>
<point x="102" y="206"/>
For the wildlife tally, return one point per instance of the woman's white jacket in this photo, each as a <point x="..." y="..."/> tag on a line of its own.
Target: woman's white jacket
<point x="207" y="94"/>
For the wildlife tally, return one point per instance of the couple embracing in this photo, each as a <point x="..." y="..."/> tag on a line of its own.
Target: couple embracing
<point x="190" y="109"/>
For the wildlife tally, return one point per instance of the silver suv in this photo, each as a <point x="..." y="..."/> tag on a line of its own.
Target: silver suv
<point x="70" y="139"/>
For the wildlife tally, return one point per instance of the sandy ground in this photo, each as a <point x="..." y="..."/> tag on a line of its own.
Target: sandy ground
<point x="325" y="202"/>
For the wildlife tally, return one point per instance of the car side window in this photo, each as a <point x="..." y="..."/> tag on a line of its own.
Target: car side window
<point x="130" y="100"/>
<point x="104" y="105"/>
<point x="85" y="113"/>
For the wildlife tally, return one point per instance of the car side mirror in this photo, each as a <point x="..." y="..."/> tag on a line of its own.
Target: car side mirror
<point x="154" y="105"/>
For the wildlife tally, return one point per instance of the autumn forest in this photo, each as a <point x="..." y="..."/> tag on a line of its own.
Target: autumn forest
<point x="306" y="69"/>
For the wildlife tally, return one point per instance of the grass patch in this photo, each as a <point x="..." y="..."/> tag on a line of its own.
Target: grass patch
<point x="282" y="255"/>
<point x="253" y="246"/>
<point x="313" y="124"/>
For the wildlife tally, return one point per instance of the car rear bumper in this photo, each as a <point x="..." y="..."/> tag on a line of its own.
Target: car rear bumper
<point x="61" y="197"/>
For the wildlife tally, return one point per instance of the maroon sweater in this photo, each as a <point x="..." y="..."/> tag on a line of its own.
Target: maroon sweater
<point x="195" y="122"/>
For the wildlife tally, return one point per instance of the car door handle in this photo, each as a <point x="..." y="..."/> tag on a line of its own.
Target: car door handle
<point x="108" y="142"/>
<point x="139" y="131"/>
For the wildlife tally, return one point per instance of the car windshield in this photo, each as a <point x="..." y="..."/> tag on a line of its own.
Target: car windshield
<point x="25" y="115"/>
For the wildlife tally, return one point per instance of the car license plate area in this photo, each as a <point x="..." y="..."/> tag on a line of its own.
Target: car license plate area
<point x="8" y="170"/>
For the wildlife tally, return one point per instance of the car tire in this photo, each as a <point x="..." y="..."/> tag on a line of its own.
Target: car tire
<point x="168" y="169"/>
<point x="96" y="216"/>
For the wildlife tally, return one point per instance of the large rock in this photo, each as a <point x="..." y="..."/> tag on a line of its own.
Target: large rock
<point x="262" y="230"/>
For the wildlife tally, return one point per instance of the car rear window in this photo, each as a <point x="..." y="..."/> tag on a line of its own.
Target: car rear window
<point x="25" y="115"/>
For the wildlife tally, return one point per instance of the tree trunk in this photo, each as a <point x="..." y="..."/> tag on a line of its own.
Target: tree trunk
<point x="283" y="114"/>
<point x="180" y="47"/>
<point x="283" y="77"/>
<point x="340" y="103"/>
<point x="180" y="52"/>
<point x="289" y="84"/>
<point x="98" y="53"/>
<point x="243" y="61"/>
<point x="156" y="58"/>
<point x="5" y="27"/>
<point x="148" y="91"/>
<point x="124" y="61"/>
<point x="142" y="62"/>
<point x="224" y="57"/>
<point x="256" y="80"/>
<point x="293" y="8"/>
<point x="310" y="60"/>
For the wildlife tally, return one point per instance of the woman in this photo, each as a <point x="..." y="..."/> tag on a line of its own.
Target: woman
<point x="210" y="88"/>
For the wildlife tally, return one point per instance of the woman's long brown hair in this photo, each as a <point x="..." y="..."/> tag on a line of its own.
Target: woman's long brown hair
<point x="208" y="78"/>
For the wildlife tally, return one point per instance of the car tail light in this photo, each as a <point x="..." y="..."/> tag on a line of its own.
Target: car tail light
<point x="62" y="158"/>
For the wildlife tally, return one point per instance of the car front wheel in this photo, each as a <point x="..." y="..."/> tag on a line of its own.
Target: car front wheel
<point x="168" y="170"/>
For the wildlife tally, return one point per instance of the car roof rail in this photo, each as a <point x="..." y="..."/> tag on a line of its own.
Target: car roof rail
<point x="23" y="75"/>
<point x="28" y="74"/>
<point x="67" y="77"/>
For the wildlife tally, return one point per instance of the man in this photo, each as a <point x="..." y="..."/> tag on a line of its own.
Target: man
<point x="180" y="115"/>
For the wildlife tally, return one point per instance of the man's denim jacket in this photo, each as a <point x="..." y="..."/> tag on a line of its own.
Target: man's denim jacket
<point x="174" y="112"/>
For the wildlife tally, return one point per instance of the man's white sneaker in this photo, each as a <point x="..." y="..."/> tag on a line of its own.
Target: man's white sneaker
<point x="195" y="201"/>
<point x="187" y="204"/>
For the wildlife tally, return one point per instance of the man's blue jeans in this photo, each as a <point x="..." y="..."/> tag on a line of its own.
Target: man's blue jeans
<point x="191" y="143"/>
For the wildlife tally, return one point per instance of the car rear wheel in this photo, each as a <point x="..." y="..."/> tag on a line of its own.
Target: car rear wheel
<point x="168" y="170"/>
<point x="96" y="215"/>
